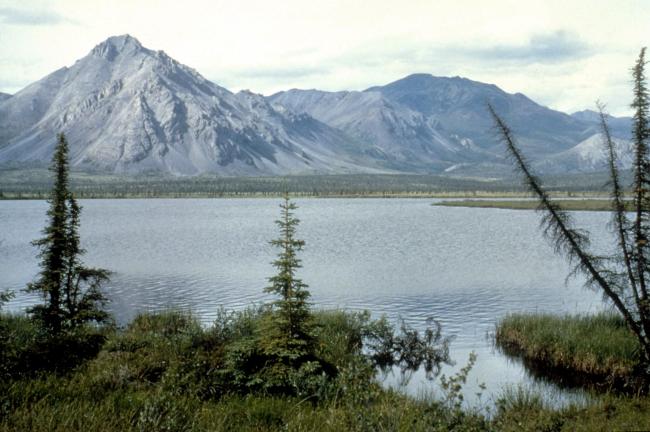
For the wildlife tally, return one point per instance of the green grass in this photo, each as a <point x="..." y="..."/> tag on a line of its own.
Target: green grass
<point x="574" y="204"/>
<point x="161" y="373"/>
<point x="597" y="347"/>
<point x="522" y="409"/>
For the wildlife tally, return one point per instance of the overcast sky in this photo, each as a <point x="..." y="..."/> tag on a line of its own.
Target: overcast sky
<point x="564" y="54"/>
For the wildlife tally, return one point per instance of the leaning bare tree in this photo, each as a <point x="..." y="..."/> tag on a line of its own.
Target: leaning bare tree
<point x="623" y="277"/>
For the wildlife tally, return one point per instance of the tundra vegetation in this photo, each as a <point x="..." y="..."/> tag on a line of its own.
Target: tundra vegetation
<point x="285" y="366"/>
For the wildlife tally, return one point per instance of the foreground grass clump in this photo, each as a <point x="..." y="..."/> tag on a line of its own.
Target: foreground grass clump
<point x="522" y="409"/>
<point x="598" y="349"/>
<point x="165" y="372"/>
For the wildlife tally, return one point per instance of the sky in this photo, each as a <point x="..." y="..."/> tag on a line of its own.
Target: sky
<point x="565" y="54"/>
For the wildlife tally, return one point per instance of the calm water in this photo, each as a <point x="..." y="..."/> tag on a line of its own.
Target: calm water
<point x="400" y="257"/>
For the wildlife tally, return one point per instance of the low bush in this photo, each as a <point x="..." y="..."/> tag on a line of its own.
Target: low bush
<point x="26" y="349"/>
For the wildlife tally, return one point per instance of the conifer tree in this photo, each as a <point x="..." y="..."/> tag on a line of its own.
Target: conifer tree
<point x="289" y="332"/>
<point x="70" y="290"/>
<point x="622" y="278"/>
<point x="5" y="296"/>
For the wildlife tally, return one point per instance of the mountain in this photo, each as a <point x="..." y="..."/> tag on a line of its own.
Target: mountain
<point x="460" y="105"/>
<point x="4" y="96"/>
<point x="129" y="109"/>
<point x="445" y="122"/>
<point x="125" y="108"/>
<point x="403" y="138"/>
<point x="619" y="126"/>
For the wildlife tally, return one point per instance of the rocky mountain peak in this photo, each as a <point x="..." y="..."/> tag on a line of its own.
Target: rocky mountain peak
<point x="126" y="108"/>
<point x="116" y="45"/>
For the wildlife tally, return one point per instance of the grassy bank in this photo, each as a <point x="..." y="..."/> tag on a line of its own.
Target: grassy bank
<point x="165" y="372"/>
<point x="587" y="204"/>
<point x="591" y="349"/>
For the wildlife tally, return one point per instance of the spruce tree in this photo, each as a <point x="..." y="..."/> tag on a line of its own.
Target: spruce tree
<point x="5" y="296"/>
<point x="70" y="290"/>
<point x="82" y="289"/>
<point x="289" y="333"/>
<point x="286" y="338"/>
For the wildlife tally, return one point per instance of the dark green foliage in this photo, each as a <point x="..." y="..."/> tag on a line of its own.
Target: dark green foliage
<point x="5" y="296"/>
<point x="640" y="231"/>
<point x="350" y="347"/>
<point x="287" y="337"/>
<point x="165" y="372"/>
<point x="26" y="349"/>
<point x="71" y="291"/>
<point x="152" y="375"/>
<point x="621" y="278"/>
<point x="277" y="353"/>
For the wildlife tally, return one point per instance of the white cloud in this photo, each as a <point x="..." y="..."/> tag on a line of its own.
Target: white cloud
<point x="564" y="54"/>
<point x="26" y="17"/>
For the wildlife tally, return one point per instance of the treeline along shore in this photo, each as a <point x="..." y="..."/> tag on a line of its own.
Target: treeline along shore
<point x="36" y="183"/>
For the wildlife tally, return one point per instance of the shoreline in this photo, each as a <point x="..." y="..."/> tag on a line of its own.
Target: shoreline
<point x="472" y="199"/>
<point x="574" y="204"/>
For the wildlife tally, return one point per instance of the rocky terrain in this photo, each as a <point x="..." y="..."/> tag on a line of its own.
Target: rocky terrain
<point x="128" y="109"/>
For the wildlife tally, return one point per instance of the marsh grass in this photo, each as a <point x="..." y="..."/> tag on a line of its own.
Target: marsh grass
<point x="520" y="408"/>
<point x="587" y="349"/>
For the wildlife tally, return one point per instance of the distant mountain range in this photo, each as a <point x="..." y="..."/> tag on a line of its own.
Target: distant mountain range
<point x="128" y="109"/>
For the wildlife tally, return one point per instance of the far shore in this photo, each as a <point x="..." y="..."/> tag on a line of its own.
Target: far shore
<point x="489" y="199"/>
<point x="584" y="204"/>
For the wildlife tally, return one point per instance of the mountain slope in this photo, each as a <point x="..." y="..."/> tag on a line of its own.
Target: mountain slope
<point x="426" y="121"/>
<point x="403" y="138"/>
<point x="588" y="156"/>
<point x="619" y="126"/>
<point x="460" y="106"/>
<point x="126" y="108"/>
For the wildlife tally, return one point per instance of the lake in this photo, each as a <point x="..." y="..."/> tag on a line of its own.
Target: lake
<point x="465" y="267"/>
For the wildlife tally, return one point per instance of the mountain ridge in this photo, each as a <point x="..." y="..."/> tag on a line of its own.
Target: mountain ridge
<point x="128" y="109"/>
